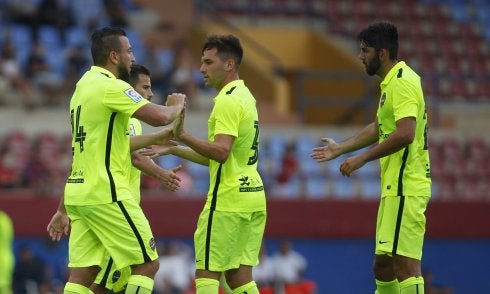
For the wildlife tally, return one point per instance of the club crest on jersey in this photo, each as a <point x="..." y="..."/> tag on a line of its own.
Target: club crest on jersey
<point x="135" y="96"/>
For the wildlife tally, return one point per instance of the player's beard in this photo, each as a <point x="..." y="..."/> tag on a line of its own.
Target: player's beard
<point x="123" y="73"/>
<point x="373" y="67"/>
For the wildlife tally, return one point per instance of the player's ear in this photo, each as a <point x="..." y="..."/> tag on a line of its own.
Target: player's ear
<point x="229" y="64"/>
<point x="113" y="57"/>
<point x="383" y="53"/>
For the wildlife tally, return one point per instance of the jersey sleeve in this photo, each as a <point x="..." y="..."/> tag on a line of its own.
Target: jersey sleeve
<point x="405" y="102"/>
<point x="228" y="113"/>
<point x="121" y="97"/>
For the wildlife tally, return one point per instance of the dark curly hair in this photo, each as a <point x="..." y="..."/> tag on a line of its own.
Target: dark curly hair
<point x="381" y="35"/>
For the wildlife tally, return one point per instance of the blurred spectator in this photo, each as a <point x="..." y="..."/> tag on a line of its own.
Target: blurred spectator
<point x="263" y="273"/>
<point x="176" y="270"/>
<point x="183" y="71"/>
<point x="14" y="155"/>
<point x="44" y="172"/>
<point x="44" y="77"/>
<point x="23" y="12"/>
<point x="158" y="60"/>
<point x="287" y="173"/>
<point x="30" y="272"/>
<point x="289" y="270"/>
<point x="77" y="63"/>
<point x="7" y="259"/>
<point x="11" y="70"/>
<point x="54" y="13"/>
<point x="116" y="13"/>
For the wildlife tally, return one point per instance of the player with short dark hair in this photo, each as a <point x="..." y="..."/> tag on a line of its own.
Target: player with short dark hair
<point x="231" y="226"/>
<point x="399" y="135"/>
<point x="105" y="217"/>
<point x="111" y="278"/>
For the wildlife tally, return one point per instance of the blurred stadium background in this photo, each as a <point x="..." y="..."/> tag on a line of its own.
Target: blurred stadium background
<point x="301" y="63"/>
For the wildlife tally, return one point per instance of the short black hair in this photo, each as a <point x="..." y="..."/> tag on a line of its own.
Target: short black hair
<point x="104" y="41"/>
<point x="381" y="35"/>
<point x="136" y="70"/>
<point x="228" y="46"/>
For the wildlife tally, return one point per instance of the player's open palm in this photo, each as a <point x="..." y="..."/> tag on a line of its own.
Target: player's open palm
<point x="328" y="152"/>
<point x="170" y="179"/>
<point x="154" y="151"/>
<point x="58" y="226"/>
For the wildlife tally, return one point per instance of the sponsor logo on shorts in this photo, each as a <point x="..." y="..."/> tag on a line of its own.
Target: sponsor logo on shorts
<point x="116" y="276"/>
<point x="383" y="242"/>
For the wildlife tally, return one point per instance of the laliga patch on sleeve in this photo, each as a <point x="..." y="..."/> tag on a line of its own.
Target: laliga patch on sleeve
<point x="135" y="96"/>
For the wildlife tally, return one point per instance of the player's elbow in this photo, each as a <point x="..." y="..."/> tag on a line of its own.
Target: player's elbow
<point x="154" y="115"/>
<point x="222" y="156"/>
<point x="407" y="138"/>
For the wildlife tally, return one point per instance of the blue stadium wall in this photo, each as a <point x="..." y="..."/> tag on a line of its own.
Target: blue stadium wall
<point x="335" y="236"/>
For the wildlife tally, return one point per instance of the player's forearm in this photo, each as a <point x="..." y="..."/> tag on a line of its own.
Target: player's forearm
<point x="61" y="205"/>
<point x="158" y="115"/>
<point x="216" y="151"/>
<point x="189" y="154"/>
<point x="146" y="165"/>
<point x="365" y="137"/>
<point x="141" y="141"/>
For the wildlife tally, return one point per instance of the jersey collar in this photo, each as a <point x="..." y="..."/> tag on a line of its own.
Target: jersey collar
<point x="228" y="86"/>
<point x="393" y="71"/>
<point x="102" y="71"/>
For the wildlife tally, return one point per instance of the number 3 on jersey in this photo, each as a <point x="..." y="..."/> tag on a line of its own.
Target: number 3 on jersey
<point x="255" y="145"/>
<point x="77" y="131"/>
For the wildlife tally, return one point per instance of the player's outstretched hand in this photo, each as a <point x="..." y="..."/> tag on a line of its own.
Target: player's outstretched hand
<point x="328" y="152"/>
<point x="164" y="136"/>
<point x="170" y="179"/>
<point x="58" y="226"/>
<point x="154" y="151"/>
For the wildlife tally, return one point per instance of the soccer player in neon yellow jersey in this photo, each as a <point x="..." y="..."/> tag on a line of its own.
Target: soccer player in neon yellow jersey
<point x="400" y="130"/>
<point x="230" y="228"/>
<point x="104" y="215"/>
<point x="7" y="259"/>
<point x="140" y="79"/>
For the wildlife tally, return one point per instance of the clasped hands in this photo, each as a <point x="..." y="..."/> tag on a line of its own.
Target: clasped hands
<point x="167" y="137"/>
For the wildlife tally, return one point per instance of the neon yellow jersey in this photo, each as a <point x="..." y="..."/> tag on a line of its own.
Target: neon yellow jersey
<point x="406" y="172"/>
<point x="7" y="258"/>
<point x="100" y="110"/>
<point x="236" y="185"/>
<point x="135" y="129"/>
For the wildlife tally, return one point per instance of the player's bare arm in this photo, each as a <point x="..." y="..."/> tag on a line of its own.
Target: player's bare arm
<point x="157" y="138"/>
<point x="158" y="115"/>
<point x="365" y="137"/>
<point x="400" y="138"/>
<point x="217" y="150"/>
<point x="177" y="150"/>
<point x="168" y="178"/>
